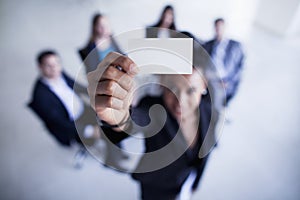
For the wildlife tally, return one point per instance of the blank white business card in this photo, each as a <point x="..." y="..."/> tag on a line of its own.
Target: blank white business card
<point x="162" y="56"/>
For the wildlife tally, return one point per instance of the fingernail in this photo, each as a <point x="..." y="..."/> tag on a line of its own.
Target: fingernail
<point x="133" y="69"/>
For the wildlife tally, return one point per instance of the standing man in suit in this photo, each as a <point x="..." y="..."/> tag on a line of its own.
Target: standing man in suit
<point x="228" y="57"/>
<point x="56" y="101"/>
<point x="175" y="125"/>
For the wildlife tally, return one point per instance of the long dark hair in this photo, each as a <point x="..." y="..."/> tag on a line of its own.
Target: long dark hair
<point x="158" y="24"/>
<point x="96" y="17"/>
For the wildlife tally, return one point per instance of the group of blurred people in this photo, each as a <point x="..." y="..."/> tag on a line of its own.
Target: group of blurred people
<point x="226" y="54"/>
<point x="57" y="101"/>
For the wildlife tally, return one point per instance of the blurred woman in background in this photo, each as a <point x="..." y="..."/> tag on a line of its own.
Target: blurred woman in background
<point x="99" y="44"/>
<point x="163" y="28"/>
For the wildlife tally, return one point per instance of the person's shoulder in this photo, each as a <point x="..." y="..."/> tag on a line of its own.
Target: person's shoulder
<point x="88" y="46"/>
<point x="39" y="86"/>
<point x="151" y="31"/>
<point x="152" y="26"/>
<point x="40" y="91"/>
<point x="86" y="49"/>
<point x="235" y="42"/>
<point x="236" y="46"/>
<point x="209" y="42"/>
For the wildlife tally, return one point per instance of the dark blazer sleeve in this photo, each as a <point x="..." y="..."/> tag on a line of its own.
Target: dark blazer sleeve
<point x="139" y="115"/>
<point x="240" y="56"/>
<point x="205" y="122"/>
<point x="89" y="57"/>
<point x="151" y="32"/>
<point x="52" y="112"/>
<point x="208" y="46"/>
<point x="84" y="52"/>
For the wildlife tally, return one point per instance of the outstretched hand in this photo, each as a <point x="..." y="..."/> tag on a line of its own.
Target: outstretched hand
<point x="111" y="87"/>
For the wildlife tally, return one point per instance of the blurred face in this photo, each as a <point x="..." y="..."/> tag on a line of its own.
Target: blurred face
<point x="168" y="18"/>
<point x="50" y="67"/>
<point x="220" y="29"/>
<point x="183" y="96"/>
<point x="102" y="28"/>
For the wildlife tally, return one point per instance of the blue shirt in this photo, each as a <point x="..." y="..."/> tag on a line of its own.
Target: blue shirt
<point x="103" y="53"/>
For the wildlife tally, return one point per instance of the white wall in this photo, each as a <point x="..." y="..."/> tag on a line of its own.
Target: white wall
<point x="294" y="28"/>
<point x="279" y="16"/>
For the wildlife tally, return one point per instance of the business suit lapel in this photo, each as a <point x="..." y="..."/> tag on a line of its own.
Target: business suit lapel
<point x="175" y="135"/>
<point x="68" y="80"/>
<point x="54" y="97"/>
<point x="228" y="53"/>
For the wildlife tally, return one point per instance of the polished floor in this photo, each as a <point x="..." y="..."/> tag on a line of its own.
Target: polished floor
<point x="257" y="156"/>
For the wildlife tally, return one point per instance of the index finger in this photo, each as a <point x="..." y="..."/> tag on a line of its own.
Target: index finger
<point x="125" y="63"/>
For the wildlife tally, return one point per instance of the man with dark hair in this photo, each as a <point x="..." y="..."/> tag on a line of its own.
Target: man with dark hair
<point x="219" y="20"/>
<point x="44" y="54"/>
<point x="228" y="58"/>
<point x="55" y="101"/>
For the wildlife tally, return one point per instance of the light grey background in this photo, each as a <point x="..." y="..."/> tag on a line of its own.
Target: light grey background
<point x="258" y="153"/>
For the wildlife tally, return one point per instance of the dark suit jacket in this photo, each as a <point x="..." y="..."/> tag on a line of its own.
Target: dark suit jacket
<point x="152" y="32"/>
<point x="90" y="56"/>
<point x="233" y="62"/>
<point x="53" y="113"/>
<point x="166" y="182"/>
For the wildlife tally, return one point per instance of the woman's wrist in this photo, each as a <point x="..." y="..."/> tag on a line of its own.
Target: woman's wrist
<point x="124" y="123"/>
